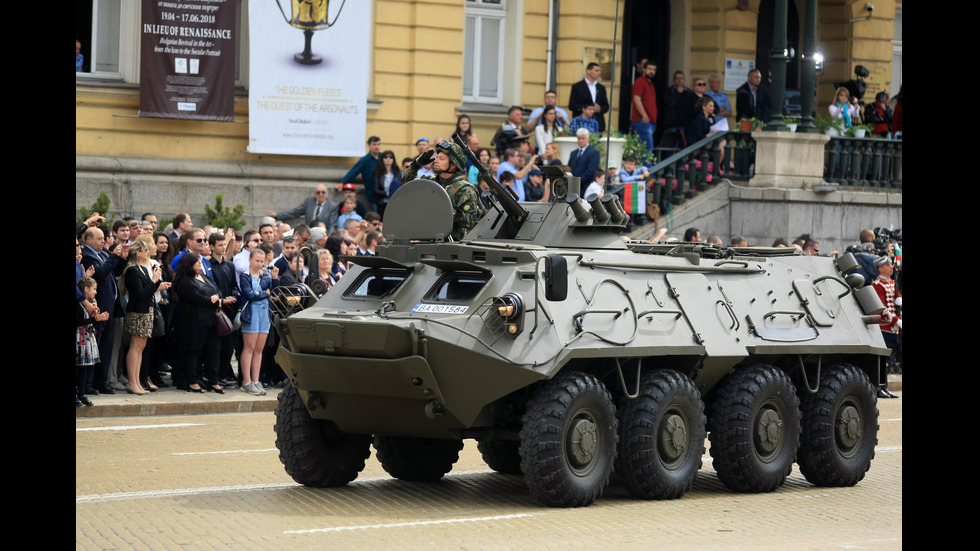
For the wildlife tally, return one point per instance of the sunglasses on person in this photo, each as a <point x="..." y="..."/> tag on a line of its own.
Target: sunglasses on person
<point x="200" y="240"/>
<point x="699" y="84"/>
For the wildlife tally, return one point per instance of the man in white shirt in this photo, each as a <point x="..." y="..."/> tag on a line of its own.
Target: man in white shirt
<point x="251" y="240"/>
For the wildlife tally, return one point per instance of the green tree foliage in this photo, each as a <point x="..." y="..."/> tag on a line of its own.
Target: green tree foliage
<point x="101" y="206"/>
<point x="223" y="217"/>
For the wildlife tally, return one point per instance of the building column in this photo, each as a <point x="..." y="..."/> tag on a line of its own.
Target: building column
<point x="808" y="84"/>
<point x="778" y="59"/>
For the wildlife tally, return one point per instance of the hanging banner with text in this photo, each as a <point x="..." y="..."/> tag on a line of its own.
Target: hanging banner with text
<point x="309" y="63"/>
<point x="187" y="59"/>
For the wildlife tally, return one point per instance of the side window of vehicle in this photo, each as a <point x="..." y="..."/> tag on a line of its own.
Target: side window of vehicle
<point x="377" y="283"/>
<point x="457" y="287"/>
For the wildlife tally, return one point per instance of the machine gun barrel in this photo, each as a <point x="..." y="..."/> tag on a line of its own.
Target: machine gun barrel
<point x="516" y="214"/>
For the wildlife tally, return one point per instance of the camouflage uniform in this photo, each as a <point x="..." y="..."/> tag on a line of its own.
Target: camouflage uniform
<point x="466" y="202"/>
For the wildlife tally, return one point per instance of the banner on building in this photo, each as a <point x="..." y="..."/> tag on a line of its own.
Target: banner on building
<point x="309" y="64"/>
<point x="187" y="59"/>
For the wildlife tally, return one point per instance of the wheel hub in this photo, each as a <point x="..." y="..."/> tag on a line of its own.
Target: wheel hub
<point x="583" y="441"/>
<point x="768" y="431"/>
<point x="849" y="430"/>
<point x="673" y="438"/>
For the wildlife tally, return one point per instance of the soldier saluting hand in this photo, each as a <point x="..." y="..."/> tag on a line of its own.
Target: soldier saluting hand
<point x="449" y="166"/>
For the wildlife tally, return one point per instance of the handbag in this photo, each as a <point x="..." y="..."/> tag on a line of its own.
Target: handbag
<point x="238" y="316"/>
<point x="159" y="324"/>
<point x="222" y="324"/>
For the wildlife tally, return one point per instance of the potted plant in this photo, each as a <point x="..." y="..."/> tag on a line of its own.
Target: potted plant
<point x="859" y="130"/>
<point x="791" y="123"/>
<point x="831" y="126"/>
<point x="617" y="146"/>
<point x="750" y="124"/>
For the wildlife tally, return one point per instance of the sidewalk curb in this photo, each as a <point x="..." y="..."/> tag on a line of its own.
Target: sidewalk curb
<point x="169" y="401"/>
<point x="178" y="402"/>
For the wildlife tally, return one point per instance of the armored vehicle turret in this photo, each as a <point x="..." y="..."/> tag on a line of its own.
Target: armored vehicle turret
<point x="567" y="352"/>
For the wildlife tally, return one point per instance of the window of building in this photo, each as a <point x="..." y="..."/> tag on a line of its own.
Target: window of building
<point x="483" y="51"/>
<point x="98" y="27"/>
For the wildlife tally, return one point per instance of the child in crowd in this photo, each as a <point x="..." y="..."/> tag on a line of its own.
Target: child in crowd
<point x="586" y="120"/>
<point x="632" y="173"/>
<point x="612" y="175"/>
<point x="86" y="349"/>
<point x="598" y="185"/>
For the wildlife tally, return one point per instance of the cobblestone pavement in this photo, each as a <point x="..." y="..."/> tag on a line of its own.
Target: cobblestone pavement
<point x="215" y="482"/>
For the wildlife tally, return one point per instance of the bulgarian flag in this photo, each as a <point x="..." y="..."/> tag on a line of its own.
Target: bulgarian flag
<point x="635" y="197"/>
<point x="898" y="255"/>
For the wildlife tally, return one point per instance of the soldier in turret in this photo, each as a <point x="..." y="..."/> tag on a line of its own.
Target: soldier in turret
<point x="450" y="171"/>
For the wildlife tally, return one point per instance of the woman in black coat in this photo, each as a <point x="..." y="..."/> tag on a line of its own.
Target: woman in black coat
<point x="140" y="282"/>
<point x="197" y="301"/>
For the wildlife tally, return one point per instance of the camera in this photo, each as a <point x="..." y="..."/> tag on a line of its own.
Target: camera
<point x="856" y="87"/>
<point x="885" y="237"/>
<point x="870" y="7"/>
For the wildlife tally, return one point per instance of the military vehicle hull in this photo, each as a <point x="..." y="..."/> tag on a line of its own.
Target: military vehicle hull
<point x="567" y="353"/>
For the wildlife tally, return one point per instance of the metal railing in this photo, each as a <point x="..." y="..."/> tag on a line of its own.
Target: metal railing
<point x="864" y="162"/>
<point x="696" y="167"/>
<point x="682" y="173"/>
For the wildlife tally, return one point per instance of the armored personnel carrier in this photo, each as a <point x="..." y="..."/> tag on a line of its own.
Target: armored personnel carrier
<point x="568" y="353"/>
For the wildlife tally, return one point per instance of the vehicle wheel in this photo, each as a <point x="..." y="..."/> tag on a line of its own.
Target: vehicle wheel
<point x="661" y="439"/>
<point x="568" y="442"/>
<point x="503" y="456"/>
<point x="754" y="429"/>
<point x="313" y="451"/>
<point x="840" y="428"/>
<point x="417" y="459"/>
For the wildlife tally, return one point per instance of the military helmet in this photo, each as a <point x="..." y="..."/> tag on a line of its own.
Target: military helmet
<point x="455" y="154"/>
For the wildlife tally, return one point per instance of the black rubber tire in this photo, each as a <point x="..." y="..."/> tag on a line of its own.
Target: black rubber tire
<point x="312" y="451"/>
<point x="661" y="436"/>
<point x="754" y="425"/>
<point x="503" y="456"/>
<point x="417" y="459"/>
<point x="840" y="428"/>
<point x="568" y="441"/>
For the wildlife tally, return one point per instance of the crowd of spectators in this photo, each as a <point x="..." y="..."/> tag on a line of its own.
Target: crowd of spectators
<point x="147" y="301"/>
<point x="884" y="115"/>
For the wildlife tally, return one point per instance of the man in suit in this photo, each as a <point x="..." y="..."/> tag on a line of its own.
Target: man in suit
<point x="223" y="271"/>
<point x="107" y="267"/>
<point x="752" y="99"/>
<point x="589" y="91"/>
<point x="182" y="224"/>
<point x="313" y="208"/>
<point x="584" y="161"/>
